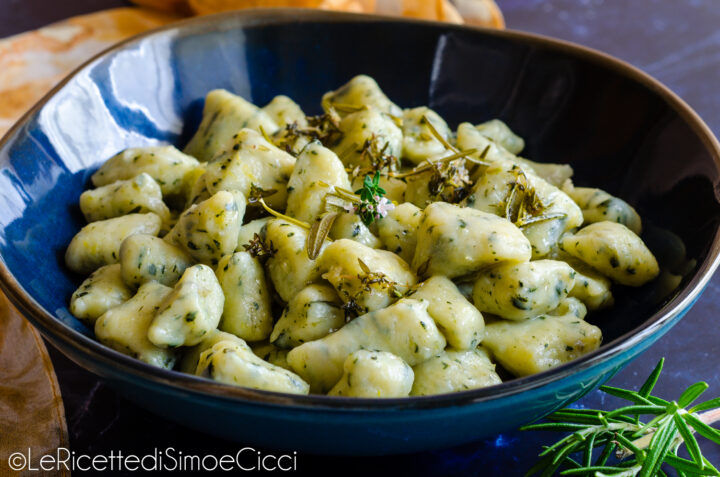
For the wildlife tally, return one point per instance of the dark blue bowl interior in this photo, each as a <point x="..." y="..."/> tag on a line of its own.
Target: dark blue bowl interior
<point x="618" y="134"/>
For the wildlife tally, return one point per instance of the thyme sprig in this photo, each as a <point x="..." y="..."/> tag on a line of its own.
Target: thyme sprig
<point x="373" y="205"/>
<point x="368" y="280"/>
<point x="640" y="448"/>
<point x="368" y="202"/>
<point x="259" y="249"/>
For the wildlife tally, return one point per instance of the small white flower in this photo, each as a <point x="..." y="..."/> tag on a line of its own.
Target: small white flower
<point x="384" y="207"/>
<point x="349" y="207"/>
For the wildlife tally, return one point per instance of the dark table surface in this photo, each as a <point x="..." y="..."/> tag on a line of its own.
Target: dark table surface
<point x="677" y="41"/>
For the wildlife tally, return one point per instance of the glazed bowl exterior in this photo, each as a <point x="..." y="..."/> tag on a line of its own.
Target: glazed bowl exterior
<point x="618" y="128"/>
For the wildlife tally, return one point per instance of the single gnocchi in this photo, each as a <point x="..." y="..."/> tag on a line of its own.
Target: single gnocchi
<point x="540" y="343"/>
<point x="369" y="279"/>
<point x="231" y="363"/>
<point x="521" y="291"/>
<point x="145" y="258"/>
<point x="102" y="290"/>
<point x="98" y="243"/>
<point x="455" y="241"/>
<point x="454" y="371"/>
<point x="247" y="310"/>
<point x="224" y="114"/>
<point x="614" y="250"/>
<point x="137" y="195"/>
<point x="124" y="328"/>
<point x="191" y="311"/>
<point x="312" y="314"/>
<point x="209" y="230"/>
<point x="374" y="374"/>
<point x="457" y="319"/>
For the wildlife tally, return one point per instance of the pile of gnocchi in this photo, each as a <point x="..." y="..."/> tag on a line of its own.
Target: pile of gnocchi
<point x="370" y="251"/>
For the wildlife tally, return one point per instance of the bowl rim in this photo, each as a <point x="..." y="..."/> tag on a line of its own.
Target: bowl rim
<point x="58" y="332"/>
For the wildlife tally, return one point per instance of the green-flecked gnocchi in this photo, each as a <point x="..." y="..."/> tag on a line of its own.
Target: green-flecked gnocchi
<point x="137" y="195"/>
<point x="542" y="211"/>
<point x="419" y="142"/>
<point x="284" y="111"/>
<point x="404" y="329"/>
<point x="517" y="291"/>
<point x="360" y="92"/>
<point x="209" y="230"/>
<point x="171" y="169"/>
<point x="224" y="114"/>
<point x="453" y="371"/>
<point x="368" y="251"/>
<point x="250" y="163"/>
<point x="348" y="225"/>
<point x="190" y="311"/>
<point x="457" y="319"/>
<point x="315" y="312"/>
<point x="124" y="328"/>
<point x="98" y="243"/>
<point x="540" y="343"/>
<point x="231" y="363"/>
<point x="599" y="206"/>
<point x="613" y="250"/>
<point x="290" y="268"/>
<point x="499" y="132"/>
<point x="455" y="241"/>
<point x="191" y="357"/>
<point x="247" y="312"/>
<point x="144" y="258"/>
<point x="271" y="353"/>
<point x="398" y="231"/>
<point x="102" y="290"/>
<point x="367" y="125"/>
<point x="374" y="374"/>
<point x="317" y="168"/>
<point x="369" y="279"/>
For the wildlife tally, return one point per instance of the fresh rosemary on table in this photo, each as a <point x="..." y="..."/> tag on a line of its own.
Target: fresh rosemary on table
<point x="640" y="449"/>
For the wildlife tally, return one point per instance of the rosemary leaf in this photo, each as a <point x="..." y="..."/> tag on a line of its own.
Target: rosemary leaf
<point x="319" y="231"/>
<point x="625" y="394"/>
<point x="659" y="448"/>
<point x="711" y="404"/>
<point x="650" y="382"/>
<point x="690" y="442"/>
<point x="692" y="393"/>
<point x="638" y="409"/>
<point x="684" y="465"/>
<point x="701" y="428"/>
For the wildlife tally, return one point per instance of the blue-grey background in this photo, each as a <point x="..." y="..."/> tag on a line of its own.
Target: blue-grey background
<point x="677" y="41"/>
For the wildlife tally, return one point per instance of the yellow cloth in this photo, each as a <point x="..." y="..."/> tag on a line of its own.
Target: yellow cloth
<point x="31" y="63"/>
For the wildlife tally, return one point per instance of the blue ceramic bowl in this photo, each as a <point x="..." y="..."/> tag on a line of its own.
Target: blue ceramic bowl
<point x="620" y="129"/>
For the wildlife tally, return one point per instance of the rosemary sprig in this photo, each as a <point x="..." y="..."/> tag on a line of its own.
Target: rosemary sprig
<point x="640" y="449"/>
<point x="523" y="206"/>
<point x="324" y="128"/>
